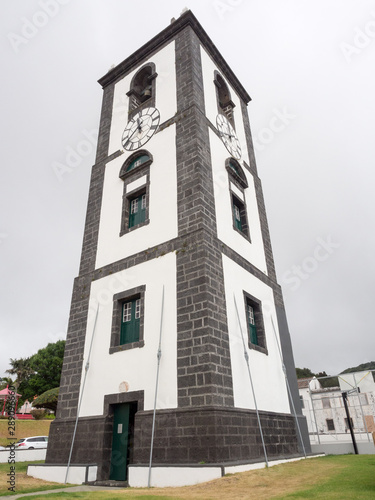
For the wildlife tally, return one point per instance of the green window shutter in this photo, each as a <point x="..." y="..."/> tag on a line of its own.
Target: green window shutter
<point x="253" y="335"/>
<point x="237" y="217"/>
<point x="142" y="212"/>
<point x="130" y="321"/>
<point x="133" y="212"/>
<point x="137" y="210"/>
<point x="252" y="327"/>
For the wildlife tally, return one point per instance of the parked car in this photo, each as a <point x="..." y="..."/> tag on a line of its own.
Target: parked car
<point x="31" y="443"/>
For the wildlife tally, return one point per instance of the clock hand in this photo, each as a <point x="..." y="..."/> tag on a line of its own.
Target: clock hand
<point x="128" y="140"/>
<point x="229" y="135"/>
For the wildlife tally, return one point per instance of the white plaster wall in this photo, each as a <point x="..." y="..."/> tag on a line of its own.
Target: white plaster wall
<point x="317" y="415"/>
<point x="166" y="97"/>
<point x="136" y="184"/>
<point x="23" y="455"/>
<point x="266" y="370"/>
<point x="260" y="465"/>
<point x="360" y="437"/>
<point x="162" y="477"/>
<point x="208" y="69"/>
<point x="343" y="448"/>
<point x="56" y="474"/>
<point x="307" y="409"/>
<point x="136" y="366"/>
<point x="252" y="251"/>
<point x="162" y="203"/>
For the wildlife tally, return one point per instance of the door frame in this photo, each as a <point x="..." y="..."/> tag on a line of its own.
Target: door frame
<point x="110" y="400"/>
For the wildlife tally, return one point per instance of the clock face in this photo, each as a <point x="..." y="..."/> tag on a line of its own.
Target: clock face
<point x="140" y="129"/>
<point x="228" y="136"/>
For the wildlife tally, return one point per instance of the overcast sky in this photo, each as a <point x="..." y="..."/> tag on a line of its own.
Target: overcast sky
<point x="309" y="68"/>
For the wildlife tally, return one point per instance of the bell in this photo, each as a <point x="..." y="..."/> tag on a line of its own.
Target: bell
<point x="147" y="92"/>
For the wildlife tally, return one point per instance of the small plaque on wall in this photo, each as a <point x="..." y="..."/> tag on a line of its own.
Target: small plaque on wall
<point x="124" y="386"/>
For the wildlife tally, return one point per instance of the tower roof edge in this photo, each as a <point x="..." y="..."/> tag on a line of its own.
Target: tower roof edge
<point x="186" y="19"/>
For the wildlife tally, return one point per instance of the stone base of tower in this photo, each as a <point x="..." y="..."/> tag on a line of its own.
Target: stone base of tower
<point x="211" y="437"/>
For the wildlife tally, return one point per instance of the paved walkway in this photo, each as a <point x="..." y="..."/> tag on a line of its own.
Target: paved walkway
<point x="58" y="490"/>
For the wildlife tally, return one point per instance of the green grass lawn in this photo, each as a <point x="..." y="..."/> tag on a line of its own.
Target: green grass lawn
<point x="24" y="428"/>
<point x="356" y="480"/>
<point x="24" y="483"/>
<point x="342" y="477"/>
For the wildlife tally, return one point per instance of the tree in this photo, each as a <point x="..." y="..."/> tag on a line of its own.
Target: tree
<point x="46" y="365"/>
<point x="322" y="376"/>
<point x="5" y="381"/>
<point x="47" y="400"/>
<point x="327" y="380"/>
<point x="330" y="381"/>
<point x="360" y="368"/>
<point x="21" y="369"/>
<point x="304" y="373"/>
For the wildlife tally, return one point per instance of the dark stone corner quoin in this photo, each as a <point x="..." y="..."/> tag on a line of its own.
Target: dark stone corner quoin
<point x="206" y="427"/>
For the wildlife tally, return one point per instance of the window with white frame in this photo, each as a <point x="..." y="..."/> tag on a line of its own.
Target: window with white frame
<point x="255" y="324"/>
<point x="128" y="319"/>
<point x="135" y="208"/>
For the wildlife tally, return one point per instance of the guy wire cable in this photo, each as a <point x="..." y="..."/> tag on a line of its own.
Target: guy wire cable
<point x="251" y="382"/>
<point x="288" y="387"/>
<point x="156" y="391"/>
<point x="81" y="395"/>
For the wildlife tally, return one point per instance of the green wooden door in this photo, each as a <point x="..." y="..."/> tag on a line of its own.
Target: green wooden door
<point x="120" y="441"/>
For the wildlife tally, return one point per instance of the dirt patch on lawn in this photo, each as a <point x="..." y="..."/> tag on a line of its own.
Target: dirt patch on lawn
<point x="23" y="482"/>
<point x="256" y="485"/>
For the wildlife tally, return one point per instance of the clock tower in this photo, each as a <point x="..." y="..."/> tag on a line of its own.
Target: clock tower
<point x="177" y="333"/>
